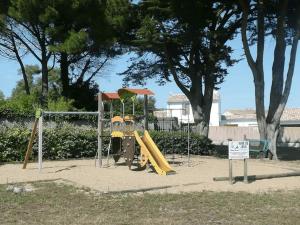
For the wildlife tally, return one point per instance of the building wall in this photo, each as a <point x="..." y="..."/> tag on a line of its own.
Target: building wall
<point x="253" y="123"/>
<point x="239" y="123"/>
<point x="176" y="110"/>
<point x="215" y="114"/>
<point x="288" y="136"/>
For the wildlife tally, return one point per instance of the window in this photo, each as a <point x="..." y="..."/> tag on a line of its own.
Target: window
<point x="185" y="109"/>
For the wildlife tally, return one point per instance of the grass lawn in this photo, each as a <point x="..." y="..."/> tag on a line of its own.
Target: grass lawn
<point x="53" y="203"/>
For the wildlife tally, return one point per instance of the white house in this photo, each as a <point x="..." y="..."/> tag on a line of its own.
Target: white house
<point x="179" y="106"/>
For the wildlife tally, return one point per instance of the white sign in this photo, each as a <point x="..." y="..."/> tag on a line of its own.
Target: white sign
<point x="238" y="149"/>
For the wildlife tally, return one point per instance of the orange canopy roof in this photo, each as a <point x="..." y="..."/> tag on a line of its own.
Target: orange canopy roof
<point x="110" y="96"/>
<point x="136" y="91"/>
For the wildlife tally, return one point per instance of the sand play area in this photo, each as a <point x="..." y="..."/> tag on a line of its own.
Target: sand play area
<point x="196" y="177"/>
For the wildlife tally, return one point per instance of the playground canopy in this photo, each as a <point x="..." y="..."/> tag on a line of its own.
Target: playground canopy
<point x="125" y="93"/>
<point x="128" y="92"/>
<point x="110" y="96"/>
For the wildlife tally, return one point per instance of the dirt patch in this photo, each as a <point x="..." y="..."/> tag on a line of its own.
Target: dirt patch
<point x="196" y="177"/>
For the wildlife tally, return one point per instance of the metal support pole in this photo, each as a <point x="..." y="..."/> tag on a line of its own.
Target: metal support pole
<point x="111" y="114"/>
<point x="245" y="171"/>
<point x="189" y="158"/>
<point x="171" y="120"/>
<point x="100" y="129"/>
<point x="230" y="171"/>
<point x="40" y="148"/>
<point x="133" y="108"/>
<point x="110" y="131"/>
<point x="133" y="113"/>
<point x="146" y="112"/>
<point x="173" y="155"/>
<point x="69" y="113"/>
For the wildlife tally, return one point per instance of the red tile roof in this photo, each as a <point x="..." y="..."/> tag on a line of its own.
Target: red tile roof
<point x="109" y="96"/>
<point x="137" y="91"/>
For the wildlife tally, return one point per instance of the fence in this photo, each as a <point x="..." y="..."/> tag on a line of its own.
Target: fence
<point x="288" y="135"/>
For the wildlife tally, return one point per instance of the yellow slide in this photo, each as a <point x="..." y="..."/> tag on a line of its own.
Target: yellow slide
<point x="149" y="151"/>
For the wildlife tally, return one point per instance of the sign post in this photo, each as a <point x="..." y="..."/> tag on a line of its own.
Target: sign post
<point x="245" y="172"/>
<point x="230" y="172"/>
<point x="238" y="150"/>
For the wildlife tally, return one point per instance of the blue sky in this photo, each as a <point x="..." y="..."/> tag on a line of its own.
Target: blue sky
<point x="237" y="92"/>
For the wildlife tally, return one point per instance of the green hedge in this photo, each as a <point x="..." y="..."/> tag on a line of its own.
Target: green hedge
<point x="177" y="142"/>
<point x="13" y="142"/>
<point x="73" y="142"/>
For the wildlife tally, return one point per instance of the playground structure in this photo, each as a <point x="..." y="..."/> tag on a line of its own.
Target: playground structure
<point x="123" y="135"/>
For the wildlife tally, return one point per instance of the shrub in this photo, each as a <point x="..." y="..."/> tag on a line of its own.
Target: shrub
<point x="69" y="141"/>
<point x="177" y="142"/>
<point x="60" y="104"/>
<point x="18" y="108"/>
<point x="13" y="142"/>
<point x="24" y="106"/>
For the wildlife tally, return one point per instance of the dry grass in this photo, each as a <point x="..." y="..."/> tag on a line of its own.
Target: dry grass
<point x="53" y="203"/>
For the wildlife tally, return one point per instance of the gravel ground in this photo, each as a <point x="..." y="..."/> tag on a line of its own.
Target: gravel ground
<point x="196" y="177"/>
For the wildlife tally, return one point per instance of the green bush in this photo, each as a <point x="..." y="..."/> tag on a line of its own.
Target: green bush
<point x="69" y="142"/>
<point x="177" y="142"/>
<point x="13" y="142"/>
<point x="24" y="107"/>
<point x="19" y="108"/>
<point x="60" y="104"/>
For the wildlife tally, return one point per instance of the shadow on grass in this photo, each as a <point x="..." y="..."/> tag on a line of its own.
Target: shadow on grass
<point x="67" y="168"/>
<point x="153" y="188"/>
<point x="63" y="167"/>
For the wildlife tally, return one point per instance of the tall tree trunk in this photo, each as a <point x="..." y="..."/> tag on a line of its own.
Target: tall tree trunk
<point x="15" y="49"/>
<point x="272" y="136"/>
<point x="260" y="108"/>
<point x="26" y="85"/>
<point x="64" y="73"/>
<point x="44" y="63"/>
<point x="278" y="62"/>
<point x="201" y="118"/>
<point x="200" y="103"/>
<point x="44" y="96"/>
<point x="269" y="126"/>
<point x="201" y="106"/>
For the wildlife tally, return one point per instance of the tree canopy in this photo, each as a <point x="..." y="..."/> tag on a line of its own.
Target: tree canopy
<point x="79" y="35"/>
<point x="82" y="39"/>
<point x="185" y="41"/>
